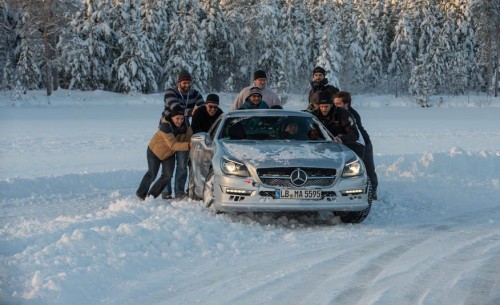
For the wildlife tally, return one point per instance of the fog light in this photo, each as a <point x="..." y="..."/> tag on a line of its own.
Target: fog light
<point x="239" y="192"/>
<point x="352" y="192"/>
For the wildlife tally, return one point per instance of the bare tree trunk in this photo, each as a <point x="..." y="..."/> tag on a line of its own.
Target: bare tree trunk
<point x="54" y="62"/>
<point x="497" y="59"/>
<point x="48" y="62"/>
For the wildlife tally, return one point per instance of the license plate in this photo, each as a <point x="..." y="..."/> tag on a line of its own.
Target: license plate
<point x="297" y="194"/>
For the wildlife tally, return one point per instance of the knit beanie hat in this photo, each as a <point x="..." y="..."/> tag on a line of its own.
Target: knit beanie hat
<point x="259" y="74"/>
<point x="184" y="75"/>
<point x="254" y="90"/>
<point x="177" y="110"/>
<point x="319" y="70"/>
<point x="325" y="97"/>
<point x="213" y="99"/>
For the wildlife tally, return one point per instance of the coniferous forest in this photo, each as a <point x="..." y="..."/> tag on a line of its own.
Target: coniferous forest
<point x="408" y="47"/>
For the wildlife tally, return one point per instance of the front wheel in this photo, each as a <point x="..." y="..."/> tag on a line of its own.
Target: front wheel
<point x="208" y="190"/>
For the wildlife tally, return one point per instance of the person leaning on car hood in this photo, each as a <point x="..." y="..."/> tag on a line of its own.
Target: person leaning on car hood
<point x="254" y="100"/>
<point x="337" y="120"/>
<point x="173" y="135"/>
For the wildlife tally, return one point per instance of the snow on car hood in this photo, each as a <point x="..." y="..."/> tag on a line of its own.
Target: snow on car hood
<point x="283" y="153"/>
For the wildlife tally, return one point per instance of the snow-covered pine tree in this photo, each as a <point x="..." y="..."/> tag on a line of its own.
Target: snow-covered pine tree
<point x="9" y="22"/>
<point x="91" y="47"/>
<point x="403" y="52"/>
<point x="356" y="59"/>
<point x="186" y="45"/>
<point x="294" y="41"/>
<point x="432" y="51"/>
<point x="345" y="14"/>
<point x="463" y="70"/>
<point x="420" y="84"/>
<point x="454" y="69"/>
<point x="245" y="23"/>
<point x="329" y="56"/>
<point x="487" y="23"/>
<point x="314" y="18"/>
<point x="134" y="69"/>
<point x="375" y="46"/>
<point x="47" y="22"/>
<point x="219" y="45"/>
<point x="235" y="12"/>
<point x="268" y="55"/>
<point x="27" y="72"/>
<point x="155" y="28"/>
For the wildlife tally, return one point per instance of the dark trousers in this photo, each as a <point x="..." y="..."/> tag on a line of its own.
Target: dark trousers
<point x="370" y="166"/>
<point x="358" y="149"/>
<point x="167" y="170"/>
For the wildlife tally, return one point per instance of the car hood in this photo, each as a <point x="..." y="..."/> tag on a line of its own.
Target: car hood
<point x="281" y="154"/>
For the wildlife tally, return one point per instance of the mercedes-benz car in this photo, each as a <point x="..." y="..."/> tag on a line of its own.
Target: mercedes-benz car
<point x="277" y="160"/>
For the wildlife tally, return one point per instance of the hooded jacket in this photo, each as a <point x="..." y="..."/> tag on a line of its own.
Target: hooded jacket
<point x="169" y="139"/>
<point x="249" y="105"/>
<point x="270" y="98"/>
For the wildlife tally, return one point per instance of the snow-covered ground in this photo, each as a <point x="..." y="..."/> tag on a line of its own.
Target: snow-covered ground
<point x="72" y="231"/>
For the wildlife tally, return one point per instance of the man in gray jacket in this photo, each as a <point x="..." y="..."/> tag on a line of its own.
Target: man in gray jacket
<point x="268" y="96"/>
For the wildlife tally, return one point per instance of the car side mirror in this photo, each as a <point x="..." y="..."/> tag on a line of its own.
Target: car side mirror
<point x="201" y="137"/>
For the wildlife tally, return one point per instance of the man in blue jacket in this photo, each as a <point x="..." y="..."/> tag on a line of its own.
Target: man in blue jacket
<point x="254" y="100"/>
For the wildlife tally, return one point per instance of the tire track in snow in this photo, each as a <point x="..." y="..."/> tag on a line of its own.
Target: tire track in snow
<point x="268" y="283"/>
<point x="436" y="275"/>
<point x="360" y="280"/>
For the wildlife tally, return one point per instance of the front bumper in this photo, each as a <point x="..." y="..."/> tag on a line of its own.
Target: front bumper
<point x="239" y="194"/>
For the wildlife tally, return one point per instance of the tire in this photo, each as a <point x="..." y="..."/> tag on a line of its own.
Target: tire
<point x="191" y="186"/>
<point x="208" y="190"/>
<point x="358" y="216"/>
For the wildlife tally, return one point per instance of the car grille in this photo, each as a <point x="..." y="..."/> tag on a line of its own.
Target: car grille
<point x="280" y="177"/>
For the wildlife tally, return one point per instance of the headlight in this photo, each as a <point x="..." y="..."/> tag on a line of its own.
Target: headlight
<point x="353" y="168"/>
<point x="230" y="167"/>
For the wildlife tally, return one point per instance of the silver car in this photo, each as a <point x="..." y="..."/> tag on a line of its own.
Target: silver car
<point x="277" y="160"/>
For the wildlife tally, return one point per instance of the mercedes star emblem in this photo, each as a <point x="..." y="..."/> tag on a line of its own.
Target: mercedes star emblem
<point x="298" y="177"/>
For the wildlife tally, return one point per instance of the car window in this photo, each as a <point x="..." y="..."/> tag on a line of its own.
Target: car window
<point x="295" y="128"/>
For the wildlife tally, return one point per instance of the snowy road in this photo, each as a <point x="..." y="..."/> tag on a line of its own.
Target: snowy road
<point x="71" y="231"/>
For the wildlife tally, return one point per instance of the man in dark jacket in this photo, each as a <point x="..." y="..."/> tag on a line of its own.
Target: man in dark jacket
<point x="319" y="84"/>
<point x="188" y="98"/>
<point x="206" y="115"/>
<point x="339" y="122"/>
<point x="343" y="99"/>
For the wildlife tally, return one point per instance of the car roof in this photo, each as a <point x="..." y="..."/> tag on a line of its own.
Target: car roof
<point x="267" y="112"/>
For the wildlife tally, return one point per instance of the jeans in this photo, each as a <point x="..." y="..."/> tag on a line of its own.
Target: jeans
<point x="167" y="169"/>
<point x="181" y="173"/>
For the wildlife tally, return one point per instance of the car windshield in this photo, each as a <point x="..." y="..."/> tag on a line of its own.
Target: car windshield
<point x="295" y="128"/>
